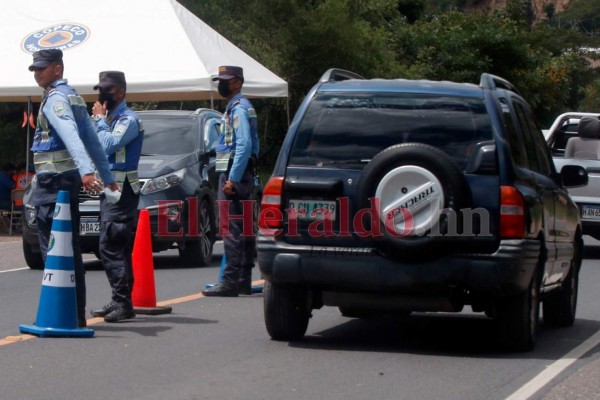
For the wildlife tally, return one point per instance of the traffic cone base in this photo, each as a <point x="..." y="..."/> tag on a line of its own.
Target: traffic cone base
<point x="56" y="332"/>
<point x="143" y="295"/>
<point x="57" y="309"/>
<point x="153" y="310"/>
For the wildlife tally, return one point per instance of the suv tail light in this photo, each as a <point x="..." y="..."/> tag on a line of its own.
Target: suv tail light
<point x="271" y="216"/>
<point x="512" y="213"/>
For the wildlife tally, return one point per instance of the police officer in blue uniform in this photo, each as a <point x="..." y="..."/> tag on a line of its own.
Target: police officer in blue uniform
<point x="237" y="152"/>
<point x="121" y="134"/>
<point x="63" y="143"/>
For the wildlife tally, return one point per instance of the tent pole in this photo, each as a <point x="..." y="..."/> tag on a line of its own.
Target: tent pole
<point x="27" y="142"/>
<point x="287" y="107"/>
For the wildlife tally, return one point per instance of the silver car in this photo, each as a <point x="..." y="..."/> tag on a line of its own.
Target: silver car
<point x="565" y="127"/>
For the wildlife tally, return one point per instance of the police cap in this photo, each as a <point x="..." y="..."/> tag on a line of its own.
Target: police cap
<point x="227" y="72"/>
<point x="109" y="79"/>
<point x="43" y="58"/>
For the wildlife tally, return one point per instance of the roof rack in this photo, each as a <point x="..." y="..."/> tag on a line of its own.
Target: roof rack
<point x="336" y="75"/>
<point x="489" y="81"/>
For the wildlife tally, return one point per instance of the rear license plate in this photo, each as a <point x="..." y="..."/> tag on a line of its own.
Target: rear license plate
<point x="89" y="226"/>
<point x="588" y="212"/>
<point x="314" y="209"/>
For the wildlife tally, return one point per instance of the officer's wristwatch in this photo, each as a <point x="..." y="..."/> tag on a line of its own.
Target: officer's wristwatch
<point x="97" y="117"/>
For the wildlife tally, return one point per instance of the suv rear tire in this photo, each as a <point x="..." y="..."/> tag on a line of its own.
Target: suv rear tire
<point x="286" y="311"/>
<point x="518" y="317"/>
<point x="199" y="251"/>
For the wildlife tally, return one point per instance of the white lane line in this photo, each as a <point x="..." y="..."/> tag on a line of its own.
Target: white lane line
<point x="12" y="270"/>
<point x="531" y="387"/>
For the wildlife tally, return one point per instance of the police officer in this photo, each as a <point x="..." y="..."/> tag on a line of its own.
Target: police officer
<point x="237" y="152"/>
<point x="64" y="137"/>
<point x="121" y="134"/>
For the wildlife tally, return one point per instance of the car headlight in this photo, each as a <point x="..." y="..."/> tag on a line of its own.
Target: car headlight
<point x="163" y="182"/>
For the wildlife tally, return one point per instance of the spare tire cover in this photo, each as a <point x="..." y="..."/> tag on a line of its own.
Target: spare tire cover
<point x="416" y="192"/>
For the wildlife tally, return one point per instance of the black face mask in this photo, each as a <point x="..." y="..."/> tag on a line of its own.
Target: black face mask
<point x="223" y="88"/>
<point x="107" y="97"/>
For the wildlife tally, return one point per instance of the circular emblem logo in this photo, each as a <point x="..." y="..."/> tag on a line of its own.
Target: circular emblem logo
<point x="51" y="242"/>
<point x="61" y="36"/>
<point x="56" y="211"/>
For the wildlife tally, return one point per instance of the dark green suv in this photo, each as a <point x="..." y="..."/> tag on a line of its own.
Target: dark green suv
<point x="411" y="195"/>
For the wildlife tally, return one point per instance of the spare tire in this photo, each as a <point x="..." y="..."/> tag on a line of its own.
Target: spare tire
<point x="415" y="192"/>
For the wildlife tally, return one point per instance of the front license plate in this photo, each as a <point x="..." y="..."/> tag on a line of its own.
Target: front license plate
<point x="89" y="227"/>
<point x="314" y="209"/>
<point x="588" y="212"/>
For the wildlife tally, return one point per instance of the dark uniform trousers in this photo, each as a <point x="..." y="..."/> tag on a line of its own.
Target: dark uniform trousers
<point x="117" y="230"/>
<point x="239" y="249"/>
<point x="43" y="197"/>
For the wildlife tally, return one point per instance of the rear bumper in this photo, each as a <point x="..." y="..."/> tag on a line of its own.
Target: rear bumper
<point x="502" y="273"/>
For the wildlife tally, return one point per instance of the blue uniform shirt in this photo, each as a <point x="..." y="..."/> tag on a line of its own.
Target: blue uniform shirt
<point x="245" y="145"/>
<point x="124" y="131"/>
<point x="81" y="139"/>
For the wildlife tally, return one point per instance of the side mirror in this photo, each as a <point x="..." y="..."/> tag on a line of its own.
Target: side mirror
<point x="573" y="176"/>
<point x="212" y="153"/>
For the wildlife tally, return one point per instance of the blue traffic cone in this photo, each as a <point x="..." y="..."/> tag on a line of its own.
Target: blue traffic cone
<point x="255" y="288"/>
<point x="57" y="309"/>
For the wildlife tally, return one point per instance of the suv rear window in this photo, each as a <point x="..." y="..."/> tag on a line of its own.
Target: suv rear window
<point x="348" y="129"/>
<point x="169" y="135"/>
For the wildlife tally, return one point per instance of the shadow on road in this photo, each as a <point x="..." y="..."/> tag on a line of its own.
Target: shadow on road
<point x="135" y="326"/>
<point x="465" y="335"/>
<point x="591" y="252"/>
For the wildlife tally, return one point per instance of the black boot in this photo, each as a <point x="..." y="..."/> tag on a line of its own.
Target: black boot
<point x="104" y="311"/>
<point x="119" y="313"/>
<point x="220" y="290"/>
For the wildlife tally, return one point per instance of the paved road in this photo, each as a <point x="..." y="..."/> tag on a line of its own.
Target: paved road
<point x="217" y="348"/>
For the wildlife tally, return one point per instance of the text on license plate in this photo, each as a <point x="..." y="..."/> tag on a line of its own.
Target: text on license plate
<point x="590" y="213"/>
<point x="89" y="227"/>
<point x="314" y="209"/>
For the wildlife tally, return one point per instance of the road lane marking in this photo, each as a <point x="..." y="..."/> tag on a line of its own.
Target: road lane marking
<point x="13" y="270"/>
<point x="554" y="369"/>
<point x="93" y="321"/>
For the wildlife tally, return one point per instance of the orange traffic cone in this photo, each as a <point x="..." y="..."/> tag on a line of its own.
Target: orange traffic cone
<point x="143" y="295"/>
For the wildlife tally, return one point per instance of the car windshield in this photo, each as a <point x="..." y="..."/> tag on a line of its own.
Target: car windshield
<point x="350" y="129"/>
<point x="168" y="135"/>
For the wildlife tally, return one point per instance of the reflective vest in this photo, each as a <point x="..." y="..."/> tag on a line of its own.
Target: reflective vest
<point x="226" y="145"/>
<point x="124" y="162"/>
<point x="51" y="154"/>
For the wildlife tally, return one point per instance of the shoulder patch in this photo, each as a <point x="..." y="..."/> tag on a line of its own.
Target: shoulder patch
<point x="236" y="122"/>
<point x="121" y="127"/>
<point x="59" y="108"/>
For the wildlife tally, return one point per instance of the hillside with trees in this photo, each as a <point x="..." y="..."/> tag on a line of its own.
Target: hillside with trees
<point x="546" y="56"/>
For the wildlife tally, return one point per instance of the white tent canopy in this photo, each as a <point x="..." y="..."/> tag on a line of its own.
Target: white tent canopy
<point x="166" y="52"/>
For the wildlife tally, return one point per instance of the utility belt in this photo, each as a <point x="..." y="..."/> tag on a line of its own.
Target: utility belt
<point x="224" y="161"/>
<point x="131" y="176"/>
<point x="53" y="162"/>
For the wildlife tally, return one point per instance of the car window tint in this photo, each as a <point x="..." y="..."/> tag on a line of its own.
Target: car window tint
<point x="514" y="139"/>
<point x="350" y="128"/>
<point x="535" y="145"/>
<point x="169" y="135"/>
